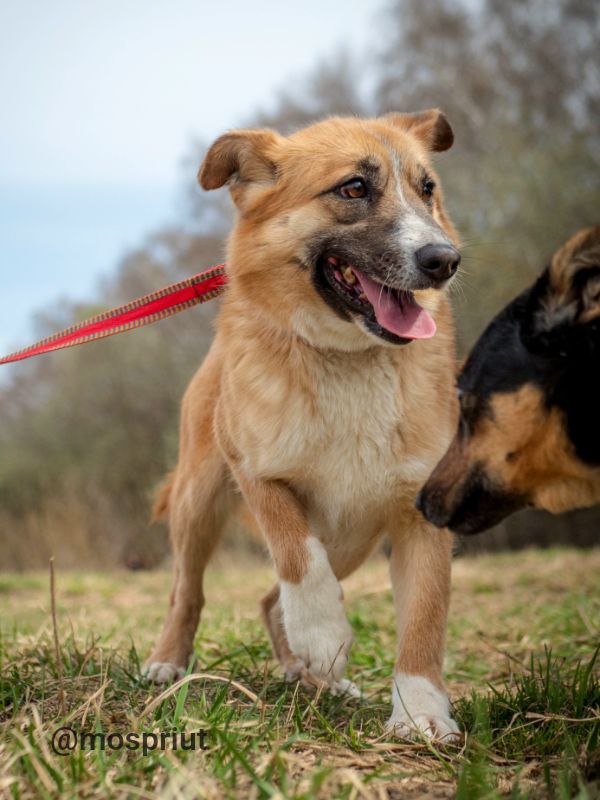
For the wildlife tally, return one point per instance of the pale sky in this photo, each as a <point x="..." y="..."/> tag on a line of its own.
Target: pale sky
<point x="100" y="101"/>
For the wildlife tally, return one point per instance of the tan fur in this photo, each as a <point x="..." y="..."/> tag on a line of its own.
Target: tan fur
<point x="421" y="606"/>
<point x="160" y="507"/>
<point x="539" y="451"/>
<point x="523" y="447"/>
<point x="564" y="300"/>
<point x="324" y="430"/>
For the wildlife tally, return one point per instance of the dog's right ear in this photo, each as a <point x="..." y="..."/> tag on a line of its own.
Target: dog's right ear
<point x="240" y="157"/>
<point x="430" y="126"/>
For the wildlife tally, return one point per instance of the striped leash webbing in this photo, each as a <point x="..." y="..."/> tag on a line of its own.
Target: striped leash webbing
<point x="143" y="311"/>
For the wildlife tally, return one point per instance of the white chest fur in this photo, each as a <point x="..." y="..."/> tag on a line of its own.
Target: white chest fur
<point x="339" y="436"/>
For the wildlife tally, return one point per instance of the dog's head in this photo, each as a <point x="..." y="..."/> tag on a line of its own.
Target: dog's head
<point x="529" y="430"/>
<point x="341" y="235"/>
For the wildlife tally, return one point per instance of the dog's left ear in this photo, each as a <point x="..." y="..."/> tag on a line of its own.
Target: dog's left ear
<point x="431" y="127"/>
<point x="567" y="295"/>
<point x="240" y="157"/>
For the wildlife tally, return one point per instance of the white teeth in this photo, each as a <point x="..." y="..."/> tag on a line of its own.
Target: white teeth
<point x="349" y="276"/>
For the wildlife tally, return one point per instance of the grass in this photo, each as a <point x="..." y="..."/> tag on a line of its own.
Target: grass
<point x="522" y="667"/>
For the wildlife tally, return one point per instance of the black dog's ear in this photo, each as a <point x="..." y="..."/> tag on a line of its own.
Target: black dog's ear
<point x="541" y="333"/>
<point x="566" y="297"/>
<point x="430" y="126"/>
<point x="240" y="157"/>
<point x="575" y="276"/>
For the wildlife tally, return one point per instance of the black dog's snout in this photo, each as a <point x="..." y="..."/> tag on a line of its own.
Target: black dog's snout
<point x="419" y="502"/>
<point x="432" y="511"/>
<point x="438" y="261"/>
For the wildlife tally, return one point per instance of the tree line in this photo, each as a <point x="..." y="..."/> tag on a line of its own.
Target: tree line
<point x="86" y="434"/>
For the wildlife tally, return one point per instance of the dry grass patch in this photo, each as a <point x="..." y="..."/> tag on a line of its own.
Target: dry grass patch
<point x="523" y="634"/>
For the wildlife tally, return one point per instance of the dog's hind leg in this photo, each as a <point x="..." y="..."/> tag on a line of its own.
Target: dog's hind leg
<point x="198" y="499"/>
<point x="199" y="505"/>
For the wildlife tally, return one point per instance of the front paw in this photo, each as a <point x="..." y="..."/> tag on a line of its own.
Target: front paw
<point x="323" y="647"/>
<point x="297" y="671"/>
<point x="419" y="707"/>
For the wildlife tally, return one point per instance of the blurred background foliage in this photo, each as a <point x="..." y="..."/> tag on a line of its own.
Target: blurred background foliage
<point x="86" y="434"/>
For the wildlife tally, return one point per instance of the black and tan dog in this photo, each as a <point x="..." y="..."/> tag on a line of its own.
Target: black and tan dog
<point x="529" y="430"/>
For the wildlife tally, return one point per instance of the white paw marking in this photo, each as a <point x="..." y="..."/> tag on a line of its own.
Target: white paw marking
<point x="420" y="707"/>
<point x="163" y="672"/>
<point x="344" y="686"/>
<point x="314" y="618"/>
<point x="294" y="669"/>
<point x="298" y="672"/>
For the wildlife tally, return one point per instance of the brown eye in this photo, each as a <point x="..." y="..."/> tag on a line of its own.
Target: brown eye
<point x="353" y="190"/>
<point x="427" y="188"/>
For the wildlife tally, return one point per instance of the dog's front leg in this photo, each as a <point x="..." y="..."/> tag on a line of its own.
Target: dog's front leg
<point x="420" y="572"/>
<point x="315" y="621"/>
<point x="310" y="597"/>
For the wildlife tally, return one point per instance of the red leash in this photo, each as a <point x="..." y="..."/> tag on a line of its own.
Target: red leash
<point x="143" y="311"/>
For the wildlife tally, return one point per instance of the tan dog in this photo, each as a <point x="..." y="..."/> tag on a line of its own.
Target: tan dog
<point x="308" y="399"/>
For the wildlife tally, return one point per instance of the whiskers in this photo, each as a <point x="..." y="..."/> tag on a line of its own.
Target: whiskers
<point x="457" y="286"/>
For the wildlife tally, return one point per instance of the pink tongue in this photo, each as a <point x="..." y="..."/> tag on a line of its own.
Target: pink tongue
<point x="406" y="319"/>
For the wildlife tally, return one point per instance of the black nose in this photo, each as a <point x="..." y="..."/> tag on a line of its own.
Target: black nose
<point x="428" y="503"/>
<point x="438" y="261"/>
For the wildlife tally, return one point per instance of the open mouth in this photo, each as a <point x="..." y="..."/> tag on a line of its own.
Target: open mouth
<point x="390" y="313"/>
